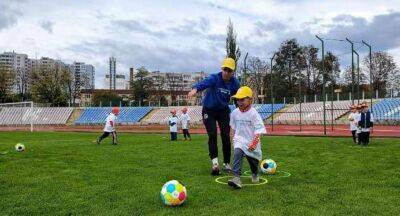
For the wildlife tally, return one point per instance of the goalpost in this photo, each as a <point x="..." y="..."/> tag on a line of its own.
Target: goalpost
<point x="17" y="116"/>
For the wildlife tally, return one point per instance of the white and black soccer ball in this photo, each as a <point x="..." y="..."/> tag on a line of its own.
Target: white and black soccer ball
<point x="20" y="147"/>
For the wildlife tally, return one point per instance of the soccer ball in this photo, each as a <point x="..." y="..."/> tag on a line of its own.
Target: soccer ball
<point x="268" y="166"/>
<point x="20" y="147"/>
<point x="173" y="193"/>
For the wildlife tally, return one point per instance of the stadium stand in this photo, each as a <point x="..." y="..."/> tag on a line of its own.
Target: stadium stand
<point x="387" y="110"/>
<point x="39" y="115"/>
<point x="97" y="115"/>
<point x="265" y="110"/>
<point x="160" y="115"/>
<point x="312" y="113"/>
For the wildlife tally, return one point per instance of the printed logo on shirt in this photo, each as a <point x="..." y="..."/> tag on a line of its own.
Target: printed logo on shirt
<point x="205" y="116"/>
<point x="224" y="91"/>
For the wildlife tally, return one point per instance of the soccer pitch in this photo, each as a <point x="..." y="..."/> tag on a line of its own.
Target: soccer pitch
<point x="66" y="174"/>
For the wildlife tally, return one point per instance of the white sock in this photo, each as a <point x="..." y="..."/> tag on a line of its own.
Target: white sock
<point x="214" y="161"/>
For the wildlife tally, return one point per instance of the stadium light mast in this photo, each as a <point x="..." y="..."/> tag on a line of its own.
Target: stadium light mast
<point x="272" y="93"/>
<point x="323" y="78"/>
<point x="358" y="76"/>
<point x="370" y="69"/>
<point x="352" y="70"/>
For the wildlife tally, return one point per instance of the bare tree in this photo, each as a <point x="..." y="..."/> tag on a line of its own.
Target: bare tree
<point x="255" y="78"/>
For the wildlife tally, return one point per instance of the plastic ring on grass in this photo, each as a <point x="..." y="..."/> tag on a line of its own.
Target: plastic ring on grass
<point x="361" y="147"/>
<point x="287" y="174"/>
<point x="262" y="181"/>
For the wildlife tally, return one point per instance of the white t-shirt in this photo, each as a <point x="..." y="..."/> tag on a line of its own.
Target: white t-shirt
<point x="185" y="118"/>
<point x="246" y="125"/>
<point x="357" y="117"/>
<point x="353" y="124"/>
<point x="173" y="119"/>
<point x="108" y="127"/>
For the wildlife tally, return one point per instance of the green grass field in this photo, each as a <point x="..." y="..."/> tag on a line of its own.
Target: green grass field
<point x="66" y="174"/>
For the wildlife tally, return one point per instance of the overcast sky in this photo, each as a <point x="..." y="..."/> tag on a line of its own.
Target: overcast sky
<point x="186" y="36"/>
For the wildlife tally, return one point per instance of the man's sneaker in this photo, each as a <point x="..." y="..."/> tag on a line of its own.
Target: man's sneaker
<point x="255" y="179"/>
<point x="98" y="141"/>
<point x="227" y="168"/>
<point x="235" y="182"/>
<point x="215" y="170"/>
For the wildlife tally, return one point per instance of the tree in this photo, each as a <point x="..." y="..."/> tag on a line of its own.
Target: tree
<point x="50" y="85"/>
<point x="313" y="73"/>
<point x="105" y="97"/>
<point x="255" y="78"/>
<point x="383" y="67"/>
<point x="141" y="85"/>
<point x="7" y="77"/>
<point x="289" y="68"/>
<point x="232" y="50"/>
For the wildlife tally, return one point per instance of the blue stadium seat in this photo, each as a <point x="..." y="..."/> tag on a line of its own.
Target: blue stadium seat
<point x="387" y="109"/>
<point x="265" y="110"/>
<point x="98" y="115"/>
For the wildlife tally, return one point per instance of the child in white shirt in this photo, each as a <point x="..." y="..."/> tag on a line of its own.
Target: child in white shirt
<point x="173" y="125"/>
<point x="248" y="126"/>
<point x="109" y="128"/>
<point x="185" y="119"/>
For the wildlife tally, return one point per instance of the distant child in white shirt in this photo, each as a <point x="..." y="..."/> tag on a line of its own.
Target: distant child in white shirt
<point x="185" y="119"/>
<point x="248" y="126"/>
<point x="173" y="125"/>
<point x="109" y="128"/>
<point x="353" y="121"/>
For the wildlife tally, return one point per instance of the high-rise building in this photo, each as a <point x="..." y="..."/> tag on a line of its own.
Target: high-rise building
<point x="90" y="74"/>
<point x="120" y="82"/>
<point x="19" y="63"/>
<point x="112" y="72"/>
<point x="83" y="76"/>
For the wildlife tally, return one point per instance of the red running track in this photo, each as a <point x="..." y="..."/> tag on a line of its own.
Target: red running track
<point x="278" y="130"/>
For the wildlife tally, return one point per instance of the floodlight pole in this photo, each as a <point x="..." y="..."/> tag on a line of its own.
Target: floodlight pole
<point x="358" y="76"/>
<point x="323" y="78"/>
<point x="370" y="69"/>
<point x="352" y="70"/>
<point x="272" y="93"/>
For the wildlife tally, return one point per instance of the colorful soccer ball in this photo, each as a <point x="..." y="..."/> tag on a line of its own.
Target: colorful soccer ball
<point x="20" y="147"/>
<point x="268" y="166"/>
<point x="173" y="193"/>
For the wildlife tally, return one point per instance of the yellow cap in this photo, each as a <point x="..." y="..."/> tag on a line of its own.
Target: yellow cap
<point x="243" y="92"/>
<point x="229" y="63"/>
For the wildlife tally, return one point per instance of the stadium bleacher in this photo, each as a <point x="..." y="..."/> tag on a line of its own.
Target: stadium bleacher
<point x="97" y="115"/>
<point x="387" y="110"/>
<point x="37" y="115"/>
<point x="161" y="115"/>
<point x="312" y="113"/>
<point x="265" y="110"/>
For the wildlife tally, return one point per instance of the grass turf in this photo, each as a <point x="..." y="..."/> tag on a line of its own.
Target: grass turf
<point x="66" y="174"/>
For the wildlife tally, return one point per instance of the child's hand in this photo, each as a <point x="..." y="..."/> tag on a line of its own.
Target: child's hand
<point x="252" y="147"/>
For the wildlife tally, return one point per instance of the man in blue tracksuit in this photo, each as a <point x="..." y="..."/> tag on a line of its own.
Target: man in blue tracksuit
<point x="219" y="89"/>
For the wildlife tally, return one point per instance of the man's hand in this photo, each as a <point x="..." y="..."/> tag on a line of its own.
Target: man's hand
<point x="192" y="93"/>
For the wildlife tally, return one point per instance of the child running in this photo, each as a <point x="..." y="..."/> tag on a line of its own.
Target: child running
<point x="109" y="128"/>
<point x="247" y="126"/>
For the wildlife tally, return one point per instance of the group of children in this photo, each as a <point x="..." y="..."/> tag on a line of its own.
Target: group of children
<point x="245" y="122"/>
<point x="173" y="121"/>
<point x="361" y="121"/>
<point x="248" y="127"/>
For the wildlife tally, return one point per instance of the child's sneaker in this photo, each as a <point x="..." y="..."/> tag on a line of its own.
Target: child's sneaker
<point x="235" y="182"/>
<point x="255" y="179"/>
<point x="215" y="170"/>
<point x="227" y="168"/>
